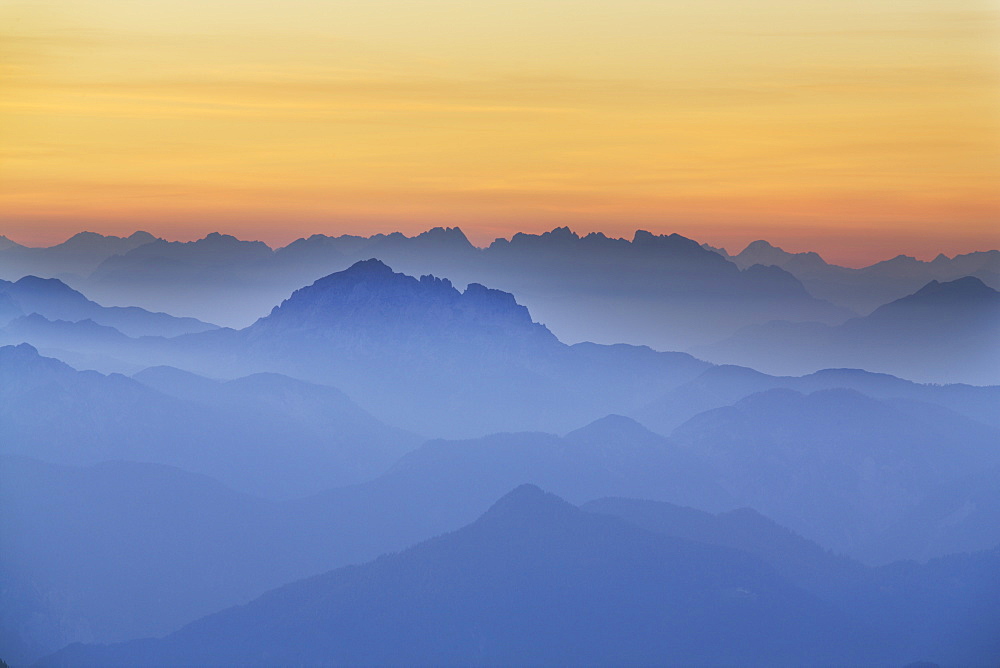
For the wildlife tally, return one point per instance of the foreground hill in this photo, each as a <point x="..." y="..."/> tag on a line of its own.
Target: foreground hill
<point x="533" y="581"/>
<point x="943" y="333"/>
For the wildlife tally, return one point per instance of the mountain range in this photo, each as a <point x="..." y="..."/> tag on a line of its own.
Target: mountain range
<point x="942" y="333"/>
<point x="266" y="434"/>
<point x="664" y="290"/>
<point x="536" y="580"/>
<point x="417" y="353"/>
<point x="901" y="491"/>
<point x="54" y="300"/>
<point x="156" y="471"/>
<point x="559" y="275"/>
<point x="867" y="288"/>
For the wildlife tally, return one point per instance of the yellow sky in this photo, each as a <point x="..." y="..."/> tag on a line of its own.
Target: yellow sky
<point x="856" y="128"/>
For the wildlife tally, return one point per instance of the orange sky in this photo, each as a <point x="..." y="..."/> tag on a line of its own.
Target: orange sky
<point x="857" y="129"/>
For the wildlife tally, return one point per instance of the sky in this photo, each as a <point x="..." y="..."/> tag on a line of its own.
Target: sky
<point x="859" y="129"/>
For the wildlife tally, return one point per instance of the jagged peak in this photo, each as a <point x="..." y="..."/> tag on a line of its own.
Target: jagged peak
<point x="453" y="235"/>
<point x="561" y="233"/>
<point x="673" y="240"/>
<point x="555" y="235"/>
<point x="370" y="267"/>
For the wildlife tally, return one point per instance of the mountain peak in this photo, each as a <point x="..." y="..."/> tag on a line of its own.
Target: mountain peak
<point x="21" y="352"/>
<point x="219" y="237"/>
<point x="965" y="287"/>
<point x="370" y="297"/>
<point x="86" y="237"/>
<point x="6" y="243"/>
<point x="675" y="244"/>
<point x="563" y="233"/>
<point x="554" y="237"/>
<point x="613" y="425"/>
<point x="369" y="268"/>
<point x="446" y="235"/>
<point x="965" y="295"/>
<point x="760" y="245"/>
<point x="48" y="285"/>
<point x="524" y="503"/>
<point x="23" y="362"/>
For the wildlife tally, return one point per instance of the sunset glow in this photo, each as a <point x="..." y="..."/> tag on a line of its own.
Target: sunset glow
<point x="857" y="129"/>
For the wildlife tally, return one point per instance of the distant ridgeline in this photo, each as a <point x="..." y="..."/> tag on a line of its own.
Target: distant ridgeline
<point x="665" y="291"/>
<point x="159" y="469"/>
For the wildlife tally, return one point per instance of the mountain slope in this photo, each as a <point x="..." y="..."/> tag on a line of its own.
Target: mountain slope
<point x="721" y="386"/>
<point x="839" y="467"/>
<point x="55" y="300"/>
<point x="663" y="290"/>
<point x="943" y="333"/>
<point x="533" y="581"/>
<point x="59" y="521"/>
<point x="78" y="256"/>
<point x="865" y="289"/>
<point x="266" y="434"/>
<point x="421" y="354"/>
<point x="945" y="608"/>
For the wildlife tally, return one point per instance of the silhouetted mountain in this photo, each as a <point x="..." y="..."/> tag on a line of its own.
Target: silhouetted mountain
<point x="55" y="300"/>
<point x="370" y="301"/>
<point x="270" y="435"/>
<point x="944" y="333"/>
<point x="77" y="256"/>
<point x="842" y="468"/>
<point x="762" y="253"/>
<point x="423" y="355"/>
<point x="215" y="278"/>
<point x="533" y="581"/>
<point x="664" y="291"/>
<point x="6" y="244"/>
<point x="864" y="289"/>
<point x="417" y="353"/>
